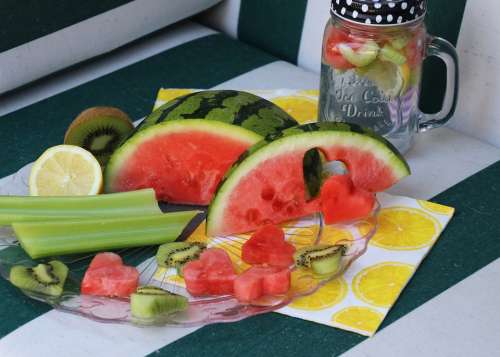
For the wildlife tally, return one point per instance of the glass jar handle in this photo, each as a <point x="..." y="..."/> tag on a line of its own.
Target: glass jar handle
<point x="441" y="48"/>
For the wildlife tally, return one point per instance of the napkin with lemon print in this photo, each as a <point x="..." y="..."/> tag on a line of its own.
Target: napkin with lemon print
<point x="359" y="300"/>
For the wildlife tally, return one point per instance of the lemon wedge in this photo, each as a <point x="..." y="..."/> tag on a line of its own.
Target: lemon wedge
<point x="65" y="170"/>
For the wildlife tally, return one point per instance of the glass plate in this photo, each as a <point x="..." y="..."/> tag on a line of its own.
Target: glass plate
<point x="201" y="311"/>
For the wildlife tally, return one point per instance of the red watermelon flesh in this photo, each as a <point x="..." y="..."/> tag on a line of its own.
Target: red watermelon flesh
<point x="212" y="274"/>
<point x="259" y="281"/>
<point x="273" y="194"/>
<point x="182" y="166"/>
<point x="366" y="171"/>
<point x="268" y="246"/>
<point x="107" y="276"/>
<point x="341" y="201"/>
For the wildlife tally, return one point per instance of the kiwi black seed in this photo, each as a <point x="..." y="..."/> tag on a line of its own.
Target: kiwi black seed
<point x="45" y="279"/>
<point x="176" y="254"/>
<point x="150" y="302"/>
<point x="99" y="130"/>
<point x="323" y="259"/>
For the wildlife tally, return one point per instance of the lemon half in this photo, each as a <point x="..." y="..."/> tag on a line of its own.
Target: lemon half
<point x="65" y="170"/>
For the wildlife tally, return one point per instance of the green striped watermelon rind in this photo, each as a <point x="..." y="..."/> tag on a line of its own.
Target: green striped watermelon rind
<point x="307" y="136"/>
<point x="124" y="152"/>
<point x="228" y="106"/>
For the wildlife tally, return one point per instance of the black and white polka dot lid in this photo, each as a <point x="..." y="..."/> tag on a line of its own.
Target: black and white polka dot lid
<point x="380" y="12"/>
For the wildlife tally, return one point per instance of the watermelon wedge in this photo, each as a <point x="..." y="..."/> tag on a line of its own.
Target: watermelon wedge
<point x="183" y="160"/>
<point x="184" y="148"/>
<point x="267" y="186"/>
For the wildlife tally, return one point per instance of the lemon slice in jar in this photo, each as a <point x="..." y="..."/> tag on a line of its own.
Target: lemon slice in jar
<point x="65" y="170"/>
<point x="392" y="79"/>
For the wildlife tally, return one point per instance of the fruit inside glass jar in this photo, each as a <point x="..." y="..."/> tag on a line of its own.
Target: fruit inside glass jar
<point x="390" y="57"/>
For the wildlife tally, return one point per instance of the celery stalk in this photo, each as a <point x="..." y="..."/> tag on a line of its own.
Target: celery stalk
<point x="44" y="239"/>
<point x="29" y="209"/>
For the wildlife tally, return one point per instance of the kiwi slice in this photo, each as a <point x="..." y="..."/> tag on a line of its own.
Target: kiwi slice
<point x="99" y="130"/>
<point x="177" y="254"/>
<point x="323" y="259"/>
<point x="150" y="302"/>
<point x="390" y="54"/>
<point x="46" y="278"/>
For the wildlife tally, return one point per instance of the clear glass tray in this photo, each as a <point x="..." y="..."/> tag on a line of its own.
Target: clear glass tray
<point x="201" y="311"/>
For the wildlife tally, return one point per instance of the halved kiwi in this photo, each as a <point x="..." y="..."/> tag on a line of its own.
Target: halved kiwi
<point x="46" y="278"/>
<point x="99" y="130"/>
<point x="177" y="254"/>
<point x="322" y="259"/>
<point x="151" y="302"/>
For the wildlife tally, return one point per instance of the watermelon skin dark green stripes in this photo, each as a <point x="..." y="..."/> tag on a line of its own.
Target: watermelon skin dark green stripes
<point x="229" y="106"/>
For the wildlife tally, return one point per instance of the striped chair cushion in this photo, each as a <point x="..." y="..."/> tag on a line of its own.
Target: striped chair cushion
<point x="41" y="37"/>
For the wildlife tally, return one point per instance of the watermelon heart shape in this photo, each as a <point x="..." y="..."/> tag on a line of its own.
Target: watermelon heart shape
<point x="341" y="201"/>
<point x="259" y="281"/>
<point x="268" y="246"/>
<point x="212" y="274"/>
<point x="108" y="276"/>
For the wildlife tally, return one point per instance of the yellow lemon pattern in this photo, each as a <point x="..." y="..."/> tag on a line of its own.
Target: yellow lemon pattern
<point x="358" y="319"/>
<point x="326" y="296"/>
<point x="404" y="228"/>
<point x="301" y="108"/>
<point x="381" y="284"/>
<point x="436" y="208"/>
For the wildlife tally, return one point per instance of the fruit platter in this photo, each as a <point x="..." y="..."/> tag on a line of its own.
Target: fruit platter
<point x="110" y="211"/>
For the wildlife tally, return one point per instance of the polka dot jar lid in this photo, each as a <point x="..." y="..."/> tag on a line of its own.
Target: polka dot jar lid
<point x="380" y="12"/>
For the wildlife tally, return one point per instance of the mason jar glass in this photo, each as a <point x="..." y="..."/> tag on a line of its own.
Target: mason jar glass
<point x="372" y="68"/>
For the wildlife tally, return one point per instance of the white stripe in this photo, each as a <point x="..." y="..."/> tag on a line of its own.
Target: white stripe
<point x="441" y="158"/>
<point x="175" y="36"/>
<point x="91" y="37"/>
<point x="60" y="334"/>
<point x="317" y="14"/>
<point x="462" y="321"/>
<point x="224" y="17"/>
<point x="478" y="109"/>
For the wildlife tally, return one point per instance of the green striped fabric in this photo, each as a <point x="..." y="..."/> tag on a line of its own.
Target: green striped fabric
<point x="275" y="26"/>
<point x="202" y="63"/>
<point x="27" y="20"/>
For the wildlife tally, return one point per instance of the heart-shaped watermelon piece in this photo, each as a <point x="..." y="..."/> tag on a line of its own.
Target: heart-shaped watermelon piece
<point x="268" y="246"/>
<point x="212" y="274"/>
<point x="341" y="201"/>
<point x="259" y="281"/>
<point x="108" y="276"/>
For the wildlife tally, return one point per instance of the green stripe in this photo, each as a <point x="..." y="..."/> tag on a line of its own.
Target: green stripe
<point x="27" y="20"/>
<point x="469" y="243"/>
<point x="201" y="63"/>
<point x="275" y="26"/>
<point x="444" y="21"/>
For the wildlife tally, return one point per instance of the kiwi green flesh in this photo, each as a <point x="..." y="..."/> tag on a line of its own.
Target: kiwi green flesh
<point x="101" y="135"/>
<point x="47" y="279"/>
<point x="326" y="265"/>
<point x="305" y="256"/>
<point x="147" y="306"/>
<point x="172" y="255"/>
